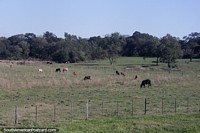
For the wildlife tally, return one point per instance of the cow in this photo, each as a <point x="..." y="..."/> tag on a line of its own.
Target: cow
<point x="87" y="78"/>
<point x="117" y="72"/>
<point x="58" y="70"/>
<point x="122" y="74"/>
<point x="75" y="74"/>
<point x="40" y="70"/>
<point x="65" y="69"/>
<point x="136" y="77"/>
<point x="48" y="62"/>
<point x="145" y="82"/>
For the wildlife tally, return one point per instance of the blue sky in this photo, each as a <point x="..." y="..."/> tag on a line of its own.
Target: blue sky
<point x="87" y="18"/>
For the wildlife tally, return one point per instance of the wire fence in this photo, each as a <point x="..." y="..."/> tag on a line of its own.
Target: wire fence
<point x="83" y="110"/>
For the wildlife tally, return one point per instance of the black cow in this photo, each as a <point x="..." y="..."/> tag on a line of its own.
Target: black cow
<point x="48" y="62"/>
<point x="117" y="72"/>
<point x="87" y="78"/>
<point x="58" y="70"/>
<point x="145" y="82"/>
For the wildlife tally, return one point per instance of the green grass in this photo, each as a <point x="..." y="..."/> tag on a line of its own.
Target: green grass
<point x="178" y="123"/>
<point x="24" y="86"/>
<point x="142" y="124"/>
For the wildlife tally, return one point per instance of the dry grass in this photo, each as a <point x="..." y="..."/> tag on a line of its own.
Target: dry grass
<point x="51" y="88"/>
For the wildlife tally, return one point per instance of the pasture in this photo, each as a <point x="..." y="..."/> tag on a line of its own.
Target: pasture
<point x="115" y="102"/>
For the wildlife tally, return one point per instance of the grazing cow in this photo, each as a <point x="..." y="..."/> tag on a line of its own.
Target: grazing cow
<point x="117" y="72"/>
<point x="87" y="78"/>
<point x="58" y="70"/>
<point x="136" y="76"/>
<point x="65" y="69"/>
<point x="75" y="74"/>
<point x="48" y="62"/>
<point x="122" y="74"/>
<point x="144" y="82"/>
<point x="40" y="70"/>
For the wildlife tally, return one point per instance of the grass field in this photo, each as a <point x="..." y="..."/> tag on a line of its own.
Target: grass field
<point x="116" y="103"/>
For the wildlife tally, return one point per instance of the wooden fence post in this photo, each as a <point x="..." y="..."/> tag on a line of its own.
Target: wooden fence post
<point x="102" y="108"/>
<point x="187" y="104"/>
<point x="175" y="105"/>
<point x="132" y="108"/>
<point x="16" y="115"/>
<point x="71" y="111"/>
<point x="54" y="113"/>
<point x="145" y="106"/>
<point x="162" y="106"/>
<point x="87" y="110"/>
<point x="36" y="113"/>
<point x="117" y="108"/>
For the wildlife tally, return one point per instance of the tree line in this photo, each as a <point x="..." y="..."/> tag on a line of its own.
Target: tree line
<point x="74" y="49"/>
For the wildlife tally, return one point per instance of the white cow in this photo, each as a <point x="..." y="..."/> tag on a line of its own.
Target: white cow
<point x="40" y="70"/>
<point x="65" y="69"/>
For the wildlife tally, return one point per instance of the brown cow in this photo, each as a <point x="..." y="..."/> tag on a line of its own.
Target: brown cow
<point x="122" y="74"/>
<point x="136" y="76"/>
<point x="75" y="74"/>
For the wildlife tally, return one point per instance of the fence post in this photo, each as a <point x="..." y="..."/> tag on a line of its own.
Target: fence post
<point x="132" y="108"/>
<point x="87" y="110"/>
<point x="102" y="108"/>
<point x="54" y="113"/>
<point x="16" y="115"/>
<point x="187" y="104"/>
<point x="71" y="110"/>
<point x="162" y="106"/>
<point x="175" y="105"/>
<point x="145" y="106"/>
<point x="117" y="108"/>
<point x="36" y="114"/>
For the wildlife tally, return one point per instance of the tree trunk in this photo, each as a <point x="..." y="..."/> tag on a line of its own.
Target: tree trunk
<point x="169" y="64"/>
<point x="111" y="60"/>
<point x="191" y="55"/>
<point x="157" y="61"/>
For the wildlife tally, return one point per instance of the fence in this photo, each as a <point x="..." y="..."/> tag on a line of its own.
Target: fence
<point x="75" y="110"/>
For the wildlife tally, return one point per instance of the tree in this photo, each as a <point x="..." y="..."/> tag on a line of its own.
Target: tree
<point x="130" y="48"/>
<point x="37" y="48"/>
<point x="112" y="45"/>
<point x="50" y="37"/>
<point x="4" y="48"/>
<point x="25" y="47"/>
<point x="170" y="49"/>
<point x="60" y="56"/>
<point x="191" y="45"/>
<point x="19" y="48"/>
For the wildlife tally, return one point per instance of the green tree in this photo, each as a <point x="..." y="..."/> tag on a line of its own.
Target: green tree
<point x="170" y="49"/>
<point x="50" y="37"/>
<point x="60" y="56"/>
<point x="192" y="44"/>
<point x="4" y="48"/>
<point x="112" y="45"/>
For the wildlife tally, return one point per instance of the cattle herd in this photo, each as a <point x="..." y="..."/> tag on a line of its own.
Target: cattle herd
<point x="88" y="77"/>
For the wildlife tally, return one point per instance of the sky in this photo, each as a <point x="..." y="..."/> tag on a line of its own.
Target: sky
<point x="87" y="18"/>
